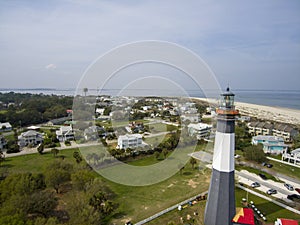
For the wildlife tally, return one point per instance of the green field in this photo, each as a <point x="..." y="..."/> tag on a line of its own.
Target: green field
<point x="271" y="210"/>
<point x="135" y="203"/>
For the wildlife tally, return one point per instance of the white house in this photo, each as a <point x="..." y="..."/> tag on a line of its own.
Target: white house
<point x="5" y="127"/>
<point x="271" y="144"/>
<point x="130" y="141"/>
<point x="201" y="130"/>
<point x="65" y="133"/>
<point x="30" y="137"/>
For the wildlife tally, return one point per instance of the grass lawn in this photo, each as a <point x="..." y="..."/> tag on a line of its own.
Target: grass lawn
<point x="271" y="210"/>
<point x="286" y="169"/>
<point x="35" y="163"/>
<point x="135" y="203"/>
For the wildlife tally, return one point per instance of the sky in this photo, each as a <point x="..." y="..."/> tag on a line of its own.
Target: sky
<point x="247" y="44"/>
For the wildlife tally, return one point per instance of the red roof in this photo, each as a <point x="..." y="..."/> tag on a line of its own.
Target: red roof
<point x="288" y="222"/>
<point x="244" y="216"/>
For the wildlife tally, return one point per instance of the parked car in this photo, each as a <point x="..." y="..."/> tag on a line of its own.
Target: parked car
<point x="255" y="184"/>
<point x="271" y="191"/>
<point x="262" y="176"/>
<point x="298" y="190"/>
<point x="269" y="165"/>
<point x="289" y="187"/>
<point x="294" y="197"/>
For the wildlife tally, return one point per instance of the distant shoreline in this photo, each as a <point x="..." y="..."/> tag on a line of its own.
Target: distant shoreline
<point x="278" y="114"/>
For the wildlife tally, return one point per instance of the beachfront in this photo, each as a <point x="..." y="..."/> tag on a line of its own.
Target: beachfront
<point x="278" y="114"/>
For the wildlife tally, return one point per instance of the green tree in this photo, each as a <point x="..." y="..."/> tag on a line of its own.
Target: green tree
<point x="297" y="141"/>
<point x="165" y="153"/>
<point x="2" y="157"/>
<point x="81" y="179"/>
<point x="54" y="151"/>
<point x="156" y="155"/>
<point x="193" y="162"/>
<point x="85" y="90"/>
<point x="77" y="156"/>
<point x="255" y="153"/>
<point x="57" y="174"/>
<point x="41" y="203"/>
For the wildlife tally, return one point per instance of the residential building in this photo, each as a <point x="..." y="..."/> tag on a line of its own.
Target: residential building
<point x="5" y="127"/>
<point x="293" y="157"/>
<point x="65" y="133"/>
<point x="285" y="131"/>
<point x="130" y="141"/>
<point x="271" y="144"/>
<point x="279" y="130"/>
<point x="30" y="137"/>
<point x="200" y="130"/>
<point x="2" y="142"/>
<point x="260" y="128"/>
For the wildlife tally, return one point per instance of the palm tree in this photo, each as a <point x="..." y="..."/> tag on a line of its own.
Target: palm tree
<point x="165" y="153"/>
<point x="85" y="90"/>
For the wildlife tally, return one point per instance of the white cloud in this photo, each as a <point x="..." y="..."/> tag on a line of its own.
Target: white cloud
<point x="50" y="67"/>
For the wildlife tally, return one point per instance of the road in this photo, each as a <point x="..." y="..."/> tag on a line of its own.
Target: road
<point x="248" y="178"/>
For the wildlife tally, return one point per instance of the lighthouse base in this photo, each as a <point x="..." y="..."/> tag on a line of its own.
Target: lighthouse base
<point x="220" y="207"/>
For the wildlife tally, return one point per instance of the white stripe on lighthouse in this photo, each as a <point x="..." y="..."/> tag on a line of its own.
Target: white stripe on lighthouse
<point x="223" y="159"/>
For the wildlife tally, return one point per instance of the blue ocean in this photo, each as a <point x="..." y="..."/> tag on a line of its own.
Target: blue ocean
<point x="277" y="98"/>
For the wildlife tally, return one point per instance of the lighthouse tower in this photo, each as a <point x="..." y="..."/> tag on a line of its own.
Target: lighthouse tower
<point x="220" y="206"/>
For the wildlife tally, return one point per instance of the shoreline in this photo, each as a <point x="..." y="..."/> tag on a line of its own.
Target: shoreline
<point x="278" y="114"/>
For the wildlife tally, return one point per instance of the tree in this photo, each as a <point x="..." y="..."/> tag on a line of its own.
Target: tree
<point x="181" y="168"/>
<point x="85" y="90"/>
<point x="81" y="179"/>
<point x="193" y="161"/>
<point x="55" y="178"/>
<point x="57" y="174"/>
<point x="165" y="153"/>
<point x="255" y="153"/>
<point x="77" y="156"/>
<point x="297" y="141"/>
<point x="54" y="151"/>
<point x="2" y="157"/>
<point x="156" y="155"/>
<point x="42" y="203"/>
<point x="40" y="148"/>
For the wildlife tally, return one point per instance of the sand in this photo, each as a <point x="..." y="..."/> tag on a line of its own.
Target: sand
<point x="278" y="114"/>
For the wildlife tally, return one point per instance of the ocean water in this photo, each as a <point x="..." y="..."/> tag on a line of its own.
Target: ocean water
<point x="277" y="98"/>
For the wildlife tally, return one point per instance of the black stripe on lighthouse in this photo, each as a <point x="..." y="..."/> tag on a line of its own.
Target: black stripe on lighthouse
<point x="220" y="207"/>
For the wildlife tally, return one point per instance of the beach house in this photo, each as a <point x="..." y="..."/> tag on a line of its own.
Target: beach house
<point x="271" y="144"/>
<point x="130" y="141"/>
<point x="65" y="133"/>
<point x="200" y="130"/>
<point x="30" y="137"/>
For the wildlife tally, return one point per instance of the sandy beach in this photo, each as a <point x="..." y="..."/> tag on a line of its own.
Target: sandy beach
<point x="283" y="115"/>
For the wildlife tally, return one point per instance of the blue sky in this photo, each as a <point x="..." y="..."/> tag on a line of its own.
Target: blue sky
<point x="249" y="44"/>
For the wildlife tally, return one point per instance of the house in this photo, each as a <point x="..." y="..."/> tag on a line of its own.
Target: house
<point x="200" y="130"/>
<point x="286" y="222"/>
<point x="2" y="142"/>
<point x="30" y="137"/>
<point x="65" y="133"/>
<point x="130" y="141"/>
<point x="271" y="144"/>
<point x="293" y="157"/>
<point x="5" y="127"/>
